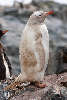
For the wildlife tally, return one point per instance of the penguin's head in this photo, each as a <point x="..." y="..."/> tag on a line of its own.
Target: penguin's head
<point x="38" y="17"/>
<point x="2" y="32"/>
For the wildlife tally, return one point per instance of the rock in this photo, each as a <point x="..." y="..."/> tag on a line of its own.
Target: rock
<point x="10" y="11"/>
<point x="61" y="59"/>
<point x="54" y="90"/>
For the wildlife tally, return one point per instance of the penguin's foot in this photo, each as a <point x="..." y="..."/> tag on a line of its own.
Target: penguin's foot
<point x="39" y="84"/>
<point x="12" y="86"/>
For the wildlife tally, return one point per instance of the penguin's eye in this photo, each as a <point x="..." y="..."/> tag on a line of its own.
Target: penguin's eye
<point x="40" y="15"/>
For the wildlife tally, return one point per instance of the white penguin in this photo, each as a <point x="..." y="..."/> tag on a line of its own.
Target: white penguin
<point x="34" y="49"/>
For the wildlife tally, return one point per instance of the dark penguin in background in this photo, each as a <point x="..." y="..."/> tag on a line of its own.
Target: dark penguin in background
<point x="5" y="66"/>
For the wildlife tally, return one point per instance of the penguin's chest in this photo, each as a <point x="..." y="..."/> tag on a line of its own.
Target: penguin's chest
<point x="32" y="51"/>
<point x="27" y="51"/>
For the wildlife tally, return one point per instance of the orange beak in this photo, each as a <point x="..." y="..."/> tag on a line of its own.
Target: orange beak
<point x="48" y="13"/>
<point x="4" y="31"/>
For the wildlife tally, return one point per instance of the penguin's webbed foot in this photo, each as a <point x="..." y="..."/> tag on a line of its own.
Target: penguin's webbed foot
<point x="39" y="84"/>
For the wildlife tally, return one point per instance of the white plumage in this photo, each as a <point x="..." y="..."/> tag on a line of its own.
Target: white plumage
<point x="34" y="50"/>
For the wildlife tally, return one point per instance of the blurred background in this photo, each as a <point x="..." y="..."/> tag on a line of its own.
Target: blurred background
<point x="14" y="15"/>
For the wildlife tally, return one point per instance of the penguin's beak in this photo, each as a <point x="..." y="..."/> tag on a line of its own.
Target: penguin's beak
<point x="4" y="31"/>
<point x="48" y="13"/>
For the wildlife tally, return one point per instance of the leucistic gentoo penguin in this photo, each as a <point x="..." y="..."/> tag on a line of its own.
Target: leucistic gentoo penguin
<point x="34" y="50"/>
<point x="5" y="66"/>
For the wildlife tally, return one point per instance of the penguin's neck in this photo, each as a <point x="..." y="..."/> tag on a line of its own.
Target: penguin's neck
<point x="41" y="28"/>
<point x="34" y="28"/>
